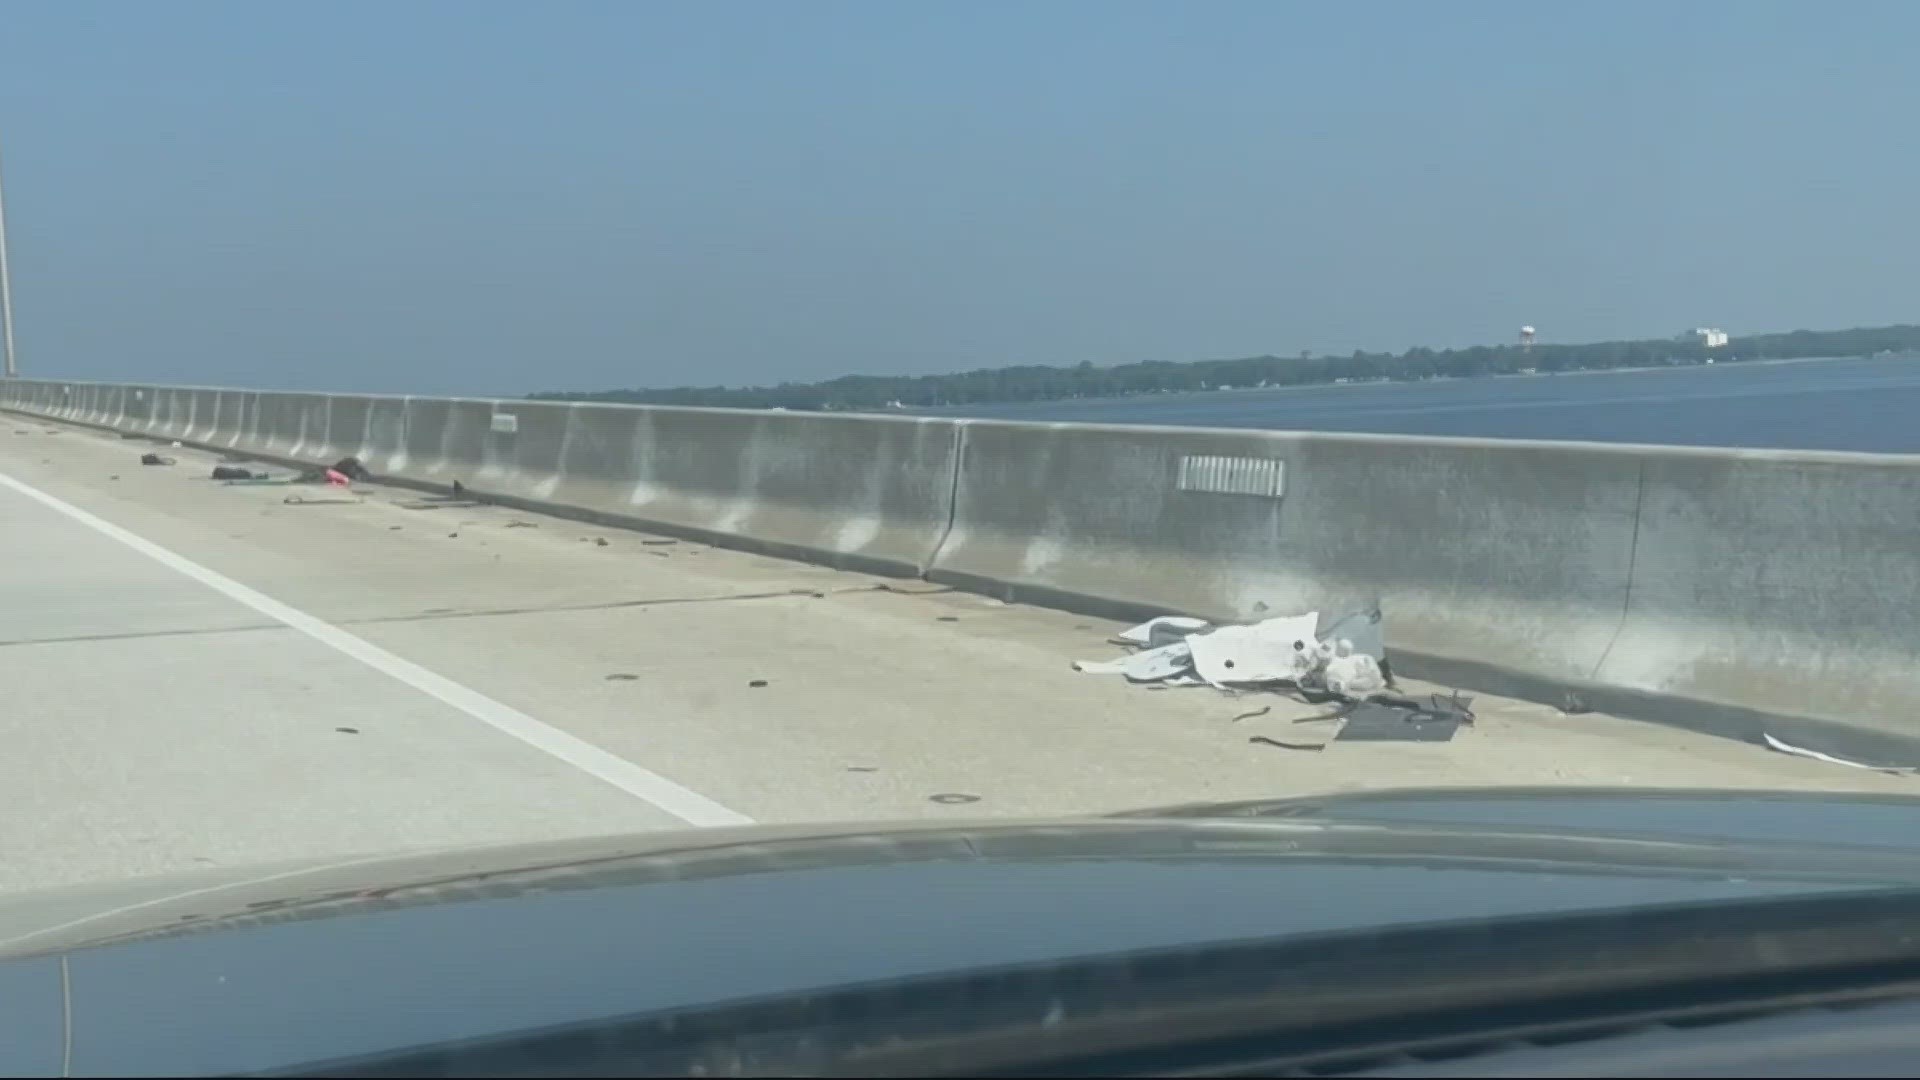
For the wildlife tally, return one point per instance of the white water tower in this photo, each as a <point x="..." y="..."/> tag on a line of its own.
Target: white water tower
<point x="1526" y="338"/>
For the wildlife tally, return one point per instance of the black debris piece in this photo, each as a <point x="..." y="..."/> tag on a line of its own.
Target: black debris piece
<point x="757" y="682"/>
<point x="658" y="543"/>
<point x="1370" y="722"/>
<point x="459" y="490"/>
<point x="1393" y="718"/>
<point x="521" y="525"/>
<point x="235" y="472"/>
<point x="115" y="476"/>
<point x="348" y="730"/>
<point x="1264" y="741"/>
<point x="351" y="468"/>
<point x="662" y="554"/>
<point x="621" y="676"/>
<point x="947" y="618"/>
<point x="953" y="798"/>
<point x="1257" y="712"/>
<point x="600" y="541"/>
<point x="453" y="535"/>
<point x="1451" y="702"/>
<point x="123" y="435"/>
<point x="155" y="459"/>
<point x="393" y="528"/>
<point x="863" y="768"/>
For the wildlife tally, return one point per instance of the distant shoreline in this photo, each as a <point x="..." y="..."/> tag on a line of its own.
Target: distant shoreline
<point x="1648" y="369"/>
<point x="1854" y="405"/>
<point x="1086" y="382"/>
<point x="1661" y="368"/>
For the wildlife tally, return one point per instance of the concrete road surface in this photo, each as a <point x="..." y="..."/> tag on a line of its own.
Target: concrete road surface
<point x="194" y="674"/>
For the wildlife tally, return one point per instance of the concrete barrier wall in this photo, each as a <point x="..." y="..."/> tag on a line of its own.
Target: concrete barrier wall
<point x="1478" y="552"/>
<point x="763" y="475"/>
<point x="861" y="492"/>
<point x="1784" y="582"/>
<point x="1735" y="591"/>
<point x="852" y="491"/>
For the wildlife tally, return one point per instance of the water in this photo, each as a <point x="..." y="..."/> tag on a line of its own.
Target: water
<point x="1867" y="405"/>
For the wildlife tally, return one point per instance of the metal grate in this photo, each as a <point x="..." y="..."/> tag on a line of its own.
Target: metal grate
<point x="1265" y="477"/>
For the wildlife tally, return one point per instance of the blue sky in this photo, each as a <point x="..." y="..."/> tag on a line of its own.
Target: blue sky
<point x="498" y="198"/>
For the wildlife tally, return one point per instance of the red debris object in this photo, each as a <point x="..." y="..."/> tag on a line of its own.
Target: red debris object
<point x="336" y="478"/>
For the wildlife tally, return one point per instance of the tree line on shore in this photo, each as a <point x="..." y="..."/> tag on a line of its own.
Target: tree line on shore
<point x="1037" y="383"/>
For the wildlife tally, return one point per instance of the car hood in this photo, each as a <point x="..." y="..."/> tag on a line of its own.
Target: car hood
<point x="331" y="959"/>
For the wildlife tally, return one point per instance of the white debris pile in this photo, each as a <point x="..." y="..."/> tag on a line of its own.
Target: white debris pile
<point x="1346" y="658"/>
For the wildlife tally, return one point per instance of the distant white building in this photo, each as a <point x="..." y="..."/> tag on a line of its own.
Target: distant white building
<point x="1710" y="337"/>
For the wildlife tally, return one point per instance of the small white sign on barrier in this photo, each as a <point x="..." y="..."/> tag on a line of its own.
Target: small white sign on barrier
<point x="1222" y="475"/>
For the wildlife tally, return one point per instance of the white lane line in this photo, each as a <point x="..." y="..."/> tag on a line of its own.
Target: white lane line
<point x="687" y="805"/>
